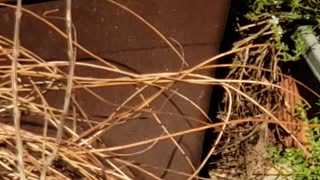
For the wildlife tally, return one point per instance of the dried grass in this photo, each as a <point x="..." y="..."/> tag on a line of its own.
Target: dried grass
<point x="253" y="100"/>
<point x="243" y="147"/>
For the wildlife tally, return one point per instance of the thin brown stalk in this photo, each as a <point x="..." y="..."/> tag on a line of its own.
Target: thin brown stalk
<point x="71" y="60"/>
<point x="180" y="55"/>
<point x="14" y="81"/>
<point x="45" y="130"/>
<point x="194" y="130"/>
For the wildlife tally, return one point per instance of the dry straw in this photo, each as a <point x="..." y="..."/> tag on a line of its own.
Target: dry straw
<point x="39" y="156"/>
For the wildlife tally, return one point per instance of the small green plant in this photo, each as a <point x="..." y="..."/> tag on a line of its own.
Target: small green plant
<point x="286" y="16"/>
<point x="302" y="166"/>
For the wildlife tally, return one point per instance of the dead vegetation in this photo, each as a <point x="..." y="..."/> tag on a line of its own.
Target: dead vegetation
<point x="256" y="112"/>
<point x="242" y="151"/>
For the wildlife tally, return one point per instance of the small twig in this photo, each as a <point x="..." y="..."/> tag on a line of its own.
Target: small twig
<point x="14" y="81"/>
<point x="45" y="129"/>
<point x="246" y="27"/>
<point x="71" y="60"/>
<point x="250" y="38"/>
